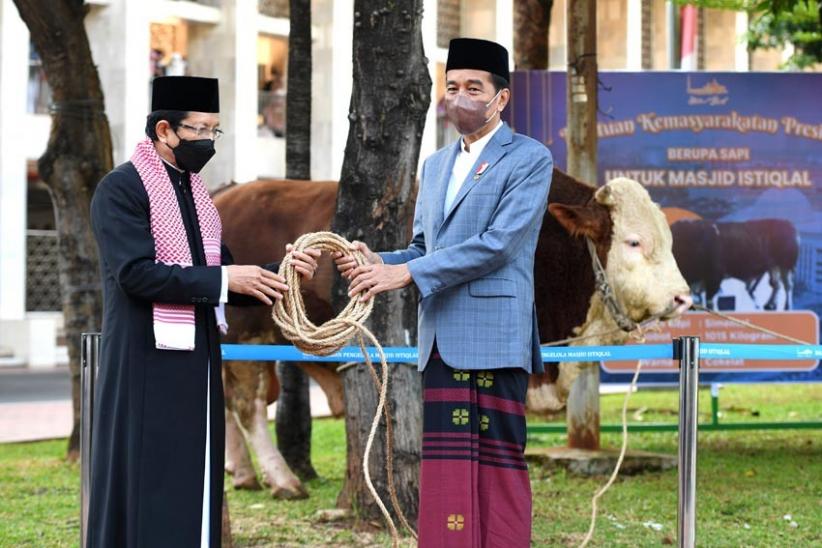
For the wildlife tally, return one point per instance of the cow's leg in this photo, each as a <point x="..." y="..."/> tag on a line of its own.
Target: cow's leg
<point x="711" y="289"/>
<point x="787" y="283"/>
<point x="250" y="407"/>
<point x="244" y="476"/>
<point x="237" y="459"/>
<point x="568" y="373"/>
<point x="750" y="288"/>
<point x="276" y="473"/>
<point x="753" y="284"/>
<point x="698" y="292"/>
<point x="329" y="380"/>
<point x="774" y="281"/>
<point x="553" y="396"/>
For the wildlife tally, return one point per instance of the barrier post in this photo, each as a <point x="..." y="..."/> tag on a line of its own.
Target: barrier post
<point x="688" y="355"/>
<point x="89" y="362"/>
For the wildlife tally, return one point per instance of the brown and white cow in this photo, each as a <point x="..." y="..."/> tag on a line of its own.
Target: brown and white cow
<point x="709" y="252"/>
<point x="633" y="242"/>
<point x="629" y="231"/>
<point x="259" y="219"/>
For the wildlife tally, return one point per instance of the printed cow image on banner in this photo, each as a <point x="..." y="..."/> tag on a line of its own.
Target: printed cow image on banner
<point x="735" y="161"/>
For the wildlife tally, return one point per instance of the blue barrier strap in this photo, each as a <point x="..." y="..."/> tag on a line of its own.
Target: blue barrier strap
<point x="760" y="351"/>
<point x="266" y="352"/>
<point x="607" y="353"/>
<point x="270" y="352"/>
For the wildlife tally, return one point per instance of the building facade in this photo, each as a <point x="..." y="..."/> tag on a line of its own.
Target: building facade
<point x="244" y="43"/>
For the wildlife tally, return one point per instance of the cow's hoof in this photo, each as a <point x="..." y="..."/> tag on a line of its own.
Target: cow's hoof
<point x="284" y="493"/>
<point x="248" y="483"/>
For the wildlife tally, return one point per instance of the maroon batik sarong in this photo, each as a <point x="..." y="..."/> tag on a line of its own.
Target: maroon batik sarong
<point x="474" y="487"/>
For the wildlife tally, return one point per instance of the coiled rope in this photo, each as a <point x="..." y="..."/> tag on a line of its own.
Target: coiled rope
<point x="290" y="316"/>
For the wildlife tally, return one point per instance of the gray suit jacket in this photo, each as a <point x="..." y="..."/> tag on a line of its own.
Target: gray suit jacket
<point x="474" y="266"/>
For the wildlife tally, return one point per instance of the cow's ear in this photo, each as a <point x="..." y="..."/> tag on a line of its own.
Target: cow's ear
<point x="578" y="220"/>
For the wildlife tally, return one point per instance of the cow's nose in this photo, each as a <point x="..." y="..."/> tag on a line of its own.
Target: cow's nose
<point x="684" y="301"/>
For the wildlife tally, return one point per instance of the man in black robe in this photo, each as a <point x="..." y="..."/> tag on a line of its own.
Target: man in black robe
<point x="158" y="439"/>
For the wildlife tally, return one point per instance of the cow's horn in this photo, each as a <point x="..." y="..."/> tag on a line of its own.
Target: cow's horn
<point x="604" y="195"/>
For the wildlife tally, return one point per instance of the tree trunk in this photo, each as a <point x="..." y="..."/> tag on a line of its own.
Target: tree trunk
<point x="582" y="91"/>
<point x="647" y="35"/>
<point x="532" y="21"/>
<point x="77" y="157"/>
<point x="583" y="400"/>
<point x="298" y="95"/>
<point x="294" y="420"/>
<point x="294" y="403"/>
<point x="390" y="98"/>
<point x="227" y="541"/>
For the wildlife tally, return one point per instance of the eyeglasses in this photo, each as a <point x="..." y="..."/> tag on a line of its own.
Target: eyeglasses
<point x="204" y="132"/>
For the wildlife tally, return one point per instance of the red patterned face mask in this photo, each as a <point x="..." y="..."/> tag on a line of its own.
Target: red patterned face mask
<point x="468" y="115"/>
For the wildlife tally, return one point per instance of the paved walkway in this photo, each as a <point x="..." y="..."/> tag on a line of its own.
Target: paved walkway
<point x="32" y="421"/>
<point x="36" y="404"/>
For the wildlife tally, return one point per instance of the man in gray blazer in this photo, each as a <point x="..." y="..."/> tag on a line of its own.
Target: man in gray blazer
<point x="478" y="214"/>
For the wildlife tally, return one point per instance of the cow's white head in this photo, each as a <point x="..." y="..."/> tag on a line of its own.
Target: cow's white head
<point x="634" y="242"/>
<point x="641" y="265"/>
<point x="638" y="261"/>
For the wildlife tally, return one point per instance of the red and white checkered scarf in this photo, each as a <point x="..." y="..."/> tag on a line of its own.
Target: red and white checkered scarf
<point x="174" y="324"/>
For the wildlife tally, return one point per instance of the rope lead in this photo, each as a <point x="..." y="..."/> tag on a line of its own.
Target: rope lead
<point x="290" y="316"/>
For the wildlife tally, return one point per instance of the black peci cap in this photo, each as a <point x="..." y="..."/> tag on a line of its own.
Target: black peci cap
<point x="188" y="93"/>
<point x="476" y="54"/>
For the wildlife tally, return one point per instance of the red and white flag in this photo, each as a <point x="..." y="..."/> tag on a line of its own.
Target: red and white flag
<point x="688" y="16"/>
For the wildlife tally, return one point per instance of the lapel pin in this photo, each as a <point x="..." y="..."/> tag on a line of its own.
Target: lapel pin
<point x="480" y="170"/>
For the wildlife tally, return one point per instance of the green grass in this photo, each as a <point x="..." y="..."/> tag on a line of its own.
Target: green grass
<point x="747" y="482"/>
<point x="259" y="520"/>
<point x="39" y="495"/>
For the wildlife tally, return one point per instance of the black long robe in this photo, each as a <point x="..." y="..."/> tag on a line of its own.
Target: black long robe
<point x="148" y="445"/>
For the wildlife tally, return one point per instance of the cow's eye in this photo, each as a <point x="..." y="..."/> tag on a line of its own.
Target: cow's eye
<point x="634" y="243"/>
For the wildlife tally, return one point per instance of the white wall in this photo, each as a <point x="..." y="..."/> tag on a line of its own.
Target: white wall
<point x="14" y="50"/>
<point x="228" y="51"/>
<point x="479" y="19"/>
<point x="429" y="42"/>
<point x="504" y="27"/>
<point x="633" y="49"/>
<point x="119" y="37"/>
<point x="741" y="57"/>
<point x="331" y="84"/>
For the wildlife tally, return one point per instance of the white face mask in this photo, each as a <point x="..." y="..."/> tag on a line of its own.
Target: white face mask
<point x="468" y="115"/>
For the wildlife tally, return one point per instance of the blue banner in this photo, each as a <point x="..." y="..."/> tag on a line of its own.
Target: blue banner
<point x="735" y="161"/>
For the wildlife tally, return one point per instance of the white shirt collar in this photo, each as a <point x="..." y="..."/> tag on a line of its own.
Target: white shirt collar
<point x="172" y="166"/>
<point x="479" y="144"/>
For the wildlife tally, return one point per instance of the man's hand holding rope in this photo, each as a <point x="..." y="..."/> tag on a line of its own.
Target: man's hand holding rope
<point x="373" y="278"/>
<point x="268" y="286"/>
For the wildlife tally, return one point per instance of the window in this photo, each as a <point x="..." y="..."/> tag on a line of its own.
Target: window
<point x="272" y="58"/>
<point x="39" y="92"/>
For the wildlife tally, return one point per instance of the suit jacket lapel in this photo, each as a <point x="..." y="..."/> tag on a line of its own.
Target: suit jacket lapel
<point x="492" y="153"/>
<point x="441" y="188"/>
